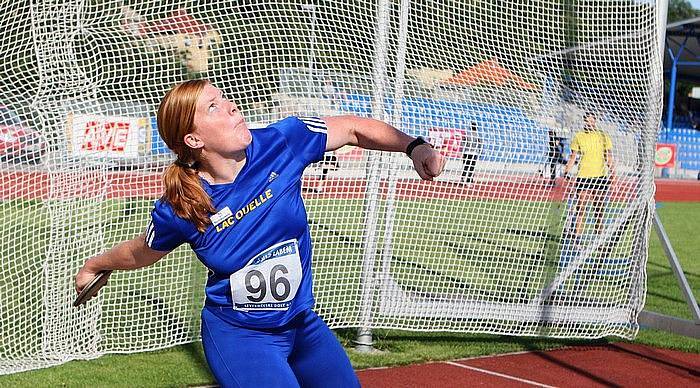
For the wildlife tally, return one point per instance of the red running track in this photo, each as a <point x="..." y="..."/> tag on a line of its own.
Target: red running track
<point x="677" y="190"/>
<point x="621" y="365"/>
<point x="37" y="185"/>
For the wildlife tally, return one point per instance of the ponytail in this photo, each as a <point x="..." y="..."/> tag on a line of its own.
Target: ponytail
<point x="183" y="190"/>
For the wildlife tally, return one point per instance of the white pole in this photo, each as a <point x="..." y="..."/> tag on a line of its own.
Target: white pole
<point x="364" y="335"/>
<point x="662" y="16"/>
<point x="312" y="50"/>
<point x="396" y="118"/>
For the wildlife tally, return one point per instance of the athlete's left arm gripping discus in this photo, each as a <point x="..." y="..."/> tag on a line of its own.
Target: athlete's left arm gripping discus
<point x="91" y="289"/>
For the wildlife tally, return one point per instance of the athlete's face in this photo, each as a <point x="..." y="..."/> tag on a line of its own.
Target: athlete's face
<point x="219" y="125"/>
<point x="589" y="123"/>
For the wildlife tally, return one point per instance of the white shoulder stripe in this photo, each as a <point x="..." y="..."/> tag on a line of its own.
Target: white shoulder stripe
<point x="150" y="233"/>
<point x="316" y="129"/>
<point x="149" y="228"/>
<point x="314" y="124"/>
<point x="310" y="119"/>
<point x="149" y="242"/>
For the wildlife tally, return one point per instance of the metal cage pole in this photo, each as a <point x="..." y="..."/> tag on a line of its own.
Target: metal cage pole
<point x="396" y="119"/>
<point x="648" y="318"/>
<point x="364" y="335"/>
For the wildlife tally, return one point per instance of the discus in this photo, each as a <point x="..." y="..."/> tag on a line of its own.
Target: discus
<point x="91" y="289"/>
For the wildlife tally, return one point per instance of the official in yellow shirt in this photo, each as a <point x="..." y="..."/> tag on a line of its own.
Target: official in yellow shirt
<point x="593" y="149"/>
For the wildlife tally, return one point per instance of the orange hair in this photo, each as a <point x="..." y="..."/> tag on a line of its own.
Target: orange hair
<point x="183" y="189"/>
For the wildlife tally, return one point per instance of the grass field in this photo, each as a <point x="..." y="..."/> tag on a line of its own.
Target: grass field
<point x="185" y="365"/>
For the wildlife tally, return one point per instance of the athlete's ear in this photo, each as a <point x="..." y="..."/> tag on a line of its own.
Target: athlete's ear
<point x="193" y="141"/>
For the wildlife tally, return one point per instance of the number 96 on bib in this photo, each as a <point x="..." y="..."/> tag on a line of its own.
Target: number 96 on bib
<point x="269" y="281"/>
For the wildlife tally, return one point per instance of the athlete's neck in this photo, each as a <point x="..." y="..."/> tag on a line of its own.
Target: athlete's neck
<point x="217" y="169"/>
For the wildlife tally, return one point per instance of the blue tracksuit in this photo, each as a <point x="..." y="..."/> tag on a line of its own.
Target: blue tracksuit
<point x="257" y="324"/>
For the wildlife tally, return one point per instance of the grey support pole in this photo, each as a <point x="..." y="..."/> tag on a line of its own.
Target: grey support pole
<point x="364" y="334"/>
<point x="677" y="269"/>
<point x="665" y="322"/>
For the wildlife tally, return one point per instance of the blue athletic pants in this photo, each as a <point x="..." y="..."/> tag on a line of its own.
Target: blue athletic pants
<point x="303" y="353"/>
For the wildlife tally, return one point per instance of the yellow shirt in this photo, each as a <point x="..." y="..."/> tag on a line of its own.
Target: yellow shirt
<point x="592" y="146"/>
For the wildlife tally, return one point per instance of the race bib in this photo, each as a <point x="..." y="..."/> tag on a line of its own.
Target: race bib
<point x="269" y="281"/>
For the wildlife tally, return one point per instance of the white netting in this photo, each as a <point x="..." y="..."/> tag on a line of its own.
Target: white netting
<point x="491" y="250"/>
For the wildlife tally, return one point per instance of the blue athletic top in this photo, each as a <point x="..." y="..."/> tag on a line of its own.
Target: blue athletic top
<point x="258" y="247"/>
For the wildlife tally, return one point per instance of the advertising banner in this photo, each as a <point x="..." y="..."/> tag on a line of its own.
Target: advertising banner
<point x="665" y="155"/>
<point x="108" y="136"/>
<point x="449" y="141"/>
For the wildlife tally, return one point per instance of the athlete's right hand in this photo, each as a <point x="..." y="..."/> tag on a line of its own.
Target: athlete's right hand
<point x="84" y="277"/>
<point x="428" y="162"/>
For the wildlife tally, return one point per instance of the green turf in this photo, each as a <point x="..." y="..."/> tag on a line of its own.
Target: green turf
<point x="185" y="365"/>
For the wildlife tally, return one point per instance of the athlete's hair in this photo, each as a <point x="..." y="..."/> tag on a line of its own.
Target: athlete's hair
<point x="183" y="189"/>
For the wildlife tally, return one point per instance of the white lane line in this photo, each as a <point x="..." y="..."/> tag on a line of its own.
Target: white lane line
<point x="499" y="375"/>
<point x="498" y="355"/>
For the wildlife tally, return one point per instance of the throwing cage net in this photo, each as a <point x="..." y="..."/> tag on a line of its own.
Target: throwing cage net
<point x="501" y="243"/>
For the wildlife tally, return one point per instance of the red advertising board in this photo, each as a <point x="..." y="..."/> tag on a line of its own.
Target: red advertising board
<point x="107" y="136"/>
<point x="110" y="136"/>
<point x="665" y="155"/>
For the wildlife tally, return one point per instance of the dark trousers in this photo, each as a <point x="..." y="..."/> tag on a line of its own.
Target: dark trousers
<point x="468" y="169"/>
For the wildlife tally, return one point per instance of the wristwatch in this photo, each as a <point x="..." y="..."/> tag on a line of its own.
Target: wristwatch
<point x="419" y="140"/>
